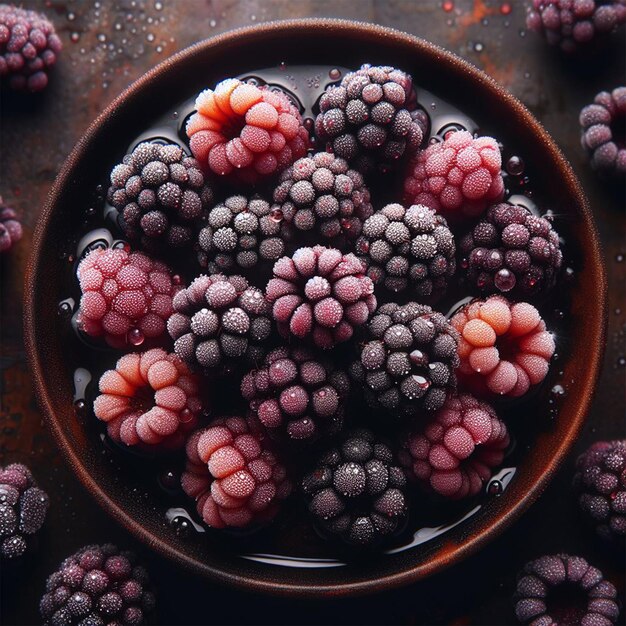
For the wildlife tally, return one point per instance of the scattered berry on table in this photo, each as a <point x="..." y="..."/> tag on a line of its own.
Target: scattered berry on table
<point x="10" y="228"/>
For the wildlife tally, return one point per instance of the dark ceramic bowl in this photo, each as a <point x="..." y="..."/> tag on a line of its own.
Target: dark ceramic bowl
<point x="306" y="42"/>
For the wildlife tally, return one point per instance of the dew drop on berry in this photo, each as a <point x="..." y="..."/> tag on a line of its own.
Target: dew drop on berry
<point x="515" y="166"/>
<point x="135" y="337"/>
<point x="422" y="382"/>
<point x="276" y="215"/>
<point x="186" y="415"/>
<point x="176" y="279"/>
<point x="505" y="280"/>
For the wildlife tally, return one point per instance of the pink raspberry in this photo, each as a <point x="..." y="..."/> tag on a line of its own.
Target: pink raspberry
<point x="504" y="347"/>
<point x="459" y="176"/>
<point x="234" y="477"/>
<point x="246" y="132"/>
<point x="126" y="297"/>
<point x="149" y="399"/>
<point x="455" y="452"/>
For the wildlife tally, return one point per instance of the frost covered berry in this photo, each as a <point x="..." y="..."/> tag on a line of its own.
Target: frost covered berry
<point x="10" y="228"/>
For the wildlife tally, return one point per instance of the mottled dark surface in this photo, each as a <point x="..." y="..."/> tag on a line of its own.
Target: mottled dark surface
<point x="107" y="46"/>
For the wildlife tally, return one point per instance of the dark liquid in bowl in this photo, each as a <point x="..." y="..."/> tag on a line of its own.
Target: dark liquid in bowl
<point x="291" y="541"/>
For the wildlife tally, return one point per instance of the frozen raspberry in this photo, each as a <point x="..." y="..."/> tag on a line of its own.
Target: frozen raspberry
<point x="29" y="47"/>
<point x="320" y="294"/>
<point x="235" y="478"/>
<point x="356" y="492"/>
<point x="321" y="193"/>
<point x="454" y="453"/>
<point x="295" y="395"/>
<point x="239" y="234"/>
<point x="458" y="177"/>
<point x="160" y="194"/>
<point x="370" y="118"/>
<point x="408" y="248"/>
<point x="603" y="131"/>
<point x="219" y="321"/>
<point x="149" y="399"/>
<point x="23" y="508"/>
<point x="408" y="362"/>
<point x="10" y="228"/>
<point x="126" y="297"/>
<point x="600" y="485"/>
<point x="571" y="23"/>
<point x="504" y="348"/>
<point x="564" y="589"/>
<point x="511" y="250"/>
<point x="96" y="586"/>
<point x="246" y="132"/>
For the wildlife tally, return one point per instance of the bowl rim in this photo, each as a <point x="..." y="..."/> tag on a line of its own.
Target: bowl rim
<point x="478" y="539"/>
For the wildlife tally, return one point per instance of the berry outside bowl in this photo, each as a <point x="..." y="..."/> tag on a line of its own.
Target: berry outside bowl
<point x="309" y="42"/>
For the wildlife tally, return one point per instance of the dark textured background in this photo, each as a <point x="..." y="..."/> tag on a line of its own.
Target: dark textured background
<point x="109" y="44"/>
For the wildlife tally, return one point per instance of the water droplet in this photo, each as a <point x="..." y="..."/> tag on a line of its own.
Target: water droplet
<point x="102" y="37"/>
<point x="212" y="23"/>
<point x="522" y="32"/>
<point x="422" y="382"/>
<point x="505" y="8"/>
<point x="618" y="311"/>
<point x="80" y="407"/>
<point x="621" y="361"/>
<point x="66" y="307"/>
<point x="505" y="280"/>
<point x="136" y="337"/>
<point x="447" y="5"/>
<point x="150" y="37"/>
<point x="186" y="415"/>
<point x="479" y="47"/>
<point x="515" y="166"/>
<point x="334" y="74"/>
<point x="176" y="279"/>
<point x="158" y="6"/>
<point x="495" y="488"/>
<point x="276" y="215"/>
<point x="619" y="257"/>
<point x="75" y="37"/>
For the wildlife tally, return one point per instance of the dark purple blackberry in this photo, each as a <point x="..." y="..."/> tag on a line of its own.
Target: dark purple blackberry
<point x="320" y="192"/>
<point x="29" y="47"/>
<point x="10" y="228"/>
<point x="161" y="195"/>
<point x="600" y="485"/>
<point x="219" y="321"/>
<point x="23" y="508"/>
<point x="96" y="586"/>
<point x="408" y="362"/>
<point x="564" y="589"/>
<point x="357" y="491"/>
<point x="370" y="118"/>
<point x="240" y="233"/>
<point x="408" y="248"/>
<point x="295" y="395"/>
<point x="570" y="23"/>
<point x="603" y="125"/>
<point x="511" y="250"/>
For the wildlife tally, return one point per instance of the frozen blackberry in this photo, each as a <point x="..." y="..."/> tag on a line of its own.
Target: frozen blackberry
<point x="600" y="485"/>
<point x="571" y="23"/>
<point x="357" y="492"/>
<point x="23" y="508"/>
<point x="370" y="118"/>
<point x="240" y="233"/>
<point x="511" y="250"/>
<point x="407" y="363"/>
<point x="29" y="47"/>
<point x="235" y="478"/>
<point x="564" y="589"/>
<point x="320" y="294"/>
<point x="295" y="395"/>
<point x="603" y="131"/>
<point x="98" y="586"/>
<point x="320" y="192"/>
<point x="455" y="452"/>
<point x="408" y="248"/>
<point x="161" y="195"/>
<point x="10" y="228"/>
<point x="219" y="321"/>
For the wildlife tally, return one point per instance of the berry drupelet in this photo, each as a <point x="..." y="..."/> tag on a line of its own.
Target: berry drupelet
<point x="29" y="47"/>
<point x="296" y="396"/>
<point x="320" y="192"/>
<point x="246" y="132"/>
<point x="23" y="508"/>
<point x="320" y="294"/>
<point x="564" y="589"/>
<point x="149" y="399"/>
<point x="602" y="125"/>
<point x="98" y="586"/>
<point x="126" y="297"/>
<point x="235" y="478"/>
<point x="161" y="195"/>
<point x="408" y="248"/>
<point x="370" y="118"/>
<point x="408" y="362"/>
<point x="356" y="492"/>
<point x="511" y="250"/>
<point x="219" y="321"/>
<point x="10" y="228"/>
<point x="455" y="452"/>
<point x="240" y="233"/>
<point x="600" y="485"/>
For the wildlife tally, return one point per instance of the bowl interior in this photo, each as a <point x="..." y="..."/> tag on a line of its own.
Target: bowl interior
<point x="310" y="43"/>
